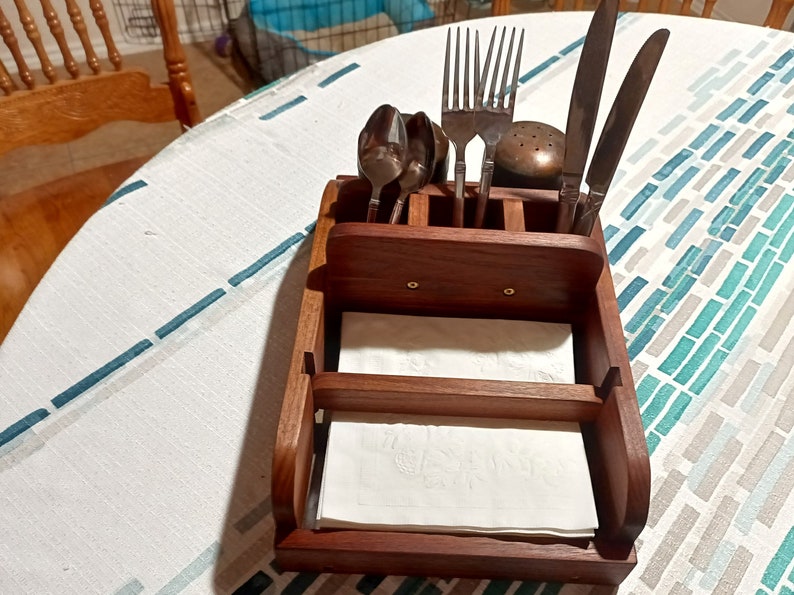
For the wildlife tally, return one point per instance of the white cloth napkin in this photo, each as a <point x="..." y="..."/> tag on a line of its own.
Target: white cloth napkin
<point x="456" y="347"/>
<point x="433" y="474"/>
<point x="426" y="473"/>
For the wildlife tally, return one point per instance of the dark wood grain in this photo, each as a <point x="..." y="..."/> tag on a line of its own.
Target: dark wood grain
<point x="455" y="397"/>
<point x="513" y="215"/>
<point x="418" y="210"/>
<point x="463" y="272"/>
<point x="292" y="453"/>
<point x="471" y="556"/>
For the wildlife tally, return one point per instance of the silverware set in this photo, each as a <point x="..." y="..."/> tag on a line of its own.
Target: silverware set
<point x="481" y="102"/>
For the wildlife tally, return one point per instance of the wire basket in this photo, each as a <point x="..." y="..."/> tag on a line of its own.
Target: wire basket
<point x="198" y="19"/>
<point x="277" y="37"/>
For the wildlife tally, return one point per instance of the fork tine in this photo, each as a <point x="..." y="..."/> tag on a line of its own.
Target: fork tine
<point x="445" y="87"/>
<point x="477" y="71"/>
<point x="502" y="97"/>
<point x="466" y="97"/>
<point x="456" y="77"/>
<point x="495" y="76"/>
<point x="514" y="85"/>
<point x="483" y="74"/>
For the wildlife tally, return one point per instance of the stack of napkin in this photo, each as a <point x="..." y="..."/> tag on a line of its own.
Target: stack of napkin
<point x="456" y="348"/>
<point x="451" y="474"/>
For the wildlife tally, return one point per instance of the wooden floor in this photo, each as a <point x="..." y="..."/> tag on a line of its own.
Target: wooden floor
<point x="36" y="224"/>
<point x="47" y="193"/>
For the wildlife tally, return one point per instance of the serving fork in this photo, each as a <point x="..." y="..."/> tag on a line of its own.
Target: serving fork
<point x="457" y="118"/>
<point x="493" y="115"/>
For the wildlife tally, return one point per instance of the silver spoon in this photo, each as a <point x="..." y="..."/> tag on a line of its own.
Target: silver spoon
<point x="382" y="151"/>
<point x="421" y="159"/>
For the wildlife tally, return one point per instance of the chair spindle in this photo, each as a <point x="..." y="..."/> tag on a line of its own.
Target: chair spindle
<point x="32" y="32"/>
<point x="179" y="80"/>
<point x="7" y="33"/>
<point x="76" y="16"/>
<point x="778" y="13"/>
<point x="54" y="23"/>
<point x="7" y="84"/>
<point x="101" y="19"/>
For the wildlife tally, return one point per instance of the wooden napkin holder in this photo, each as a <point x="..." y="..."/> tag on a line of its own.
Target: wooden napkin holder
<point x="514" y="268"/>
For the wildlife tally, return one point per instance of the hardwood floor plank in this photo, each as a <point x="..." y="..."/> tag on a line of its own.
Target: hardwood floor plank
<point x="36" y="224"/>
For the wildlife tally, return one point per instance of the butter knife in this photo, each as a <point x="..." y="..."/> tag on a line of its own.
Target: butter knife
<point x="618" y="127"/>
<point x="583" y="110"/>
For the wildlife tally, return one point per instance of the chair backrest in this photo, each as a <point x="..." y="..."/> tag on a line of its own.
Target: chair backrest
<point x="778" y="12"/>
<point x="44" y="105"/>
<point x="661" y="6"/>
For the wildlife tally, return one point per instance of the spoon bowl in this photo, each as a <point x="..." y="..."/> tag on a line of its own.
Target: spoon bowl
<point x="382" y="151"/>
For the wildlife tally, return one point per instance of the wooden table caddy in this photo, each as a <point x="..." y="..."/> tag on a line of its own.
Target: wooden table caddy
<point x="514" y="268"/>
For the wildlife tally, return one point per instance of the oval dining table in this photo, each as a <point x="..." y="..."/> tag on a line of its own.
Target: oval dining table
<point x="141" y="386"/>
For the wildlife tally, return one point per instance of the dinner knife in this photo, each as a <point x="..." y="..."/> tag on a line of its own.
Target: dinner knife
<point x="583" y="109"/>
<point x="618" y="127"/>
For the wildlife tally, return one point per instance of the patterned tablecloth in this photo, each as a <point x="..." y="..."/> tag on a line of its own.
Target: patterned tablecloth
<point x="141" y="386"/>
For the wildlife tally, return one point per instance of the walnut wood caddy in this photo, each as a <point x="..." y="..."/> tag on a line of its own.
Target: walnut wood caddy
<point x="514" y="269"/>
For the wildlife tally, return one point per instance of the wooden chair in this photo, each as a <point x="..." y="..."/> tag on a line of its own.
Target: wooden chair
<point x="778" y="13"/>
<point x="662" y="6"/>
<point x="51" y="105"/>
<point x="776" y="18"/>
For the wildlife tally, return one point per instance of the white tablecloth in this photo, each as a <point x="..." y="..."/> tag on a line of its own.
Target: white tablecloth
<point x="141" y="386"/>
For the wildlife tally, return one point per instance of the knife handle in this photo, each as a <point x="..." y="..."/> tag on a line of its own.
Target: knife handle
<point x="586" y="220"/>
<point x="569" y="196"/>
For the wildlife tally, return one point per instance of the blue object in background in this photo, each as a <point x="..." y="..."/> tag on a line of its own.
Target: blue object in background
<point x="283" y="16"/>
<point x="406" y="13"/>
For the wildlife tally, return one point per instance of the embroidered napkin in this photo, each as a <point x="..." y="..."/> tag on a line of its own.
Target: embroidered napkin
<point x="456" y="347"/>
<point x="431" y="474"/>
<point x="426" y="473"/>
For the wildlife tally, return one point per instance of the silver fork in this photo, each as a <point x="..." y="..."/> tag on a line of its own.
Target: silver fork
<point x="457" y="119"/>
<point x="494" y="116"/>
